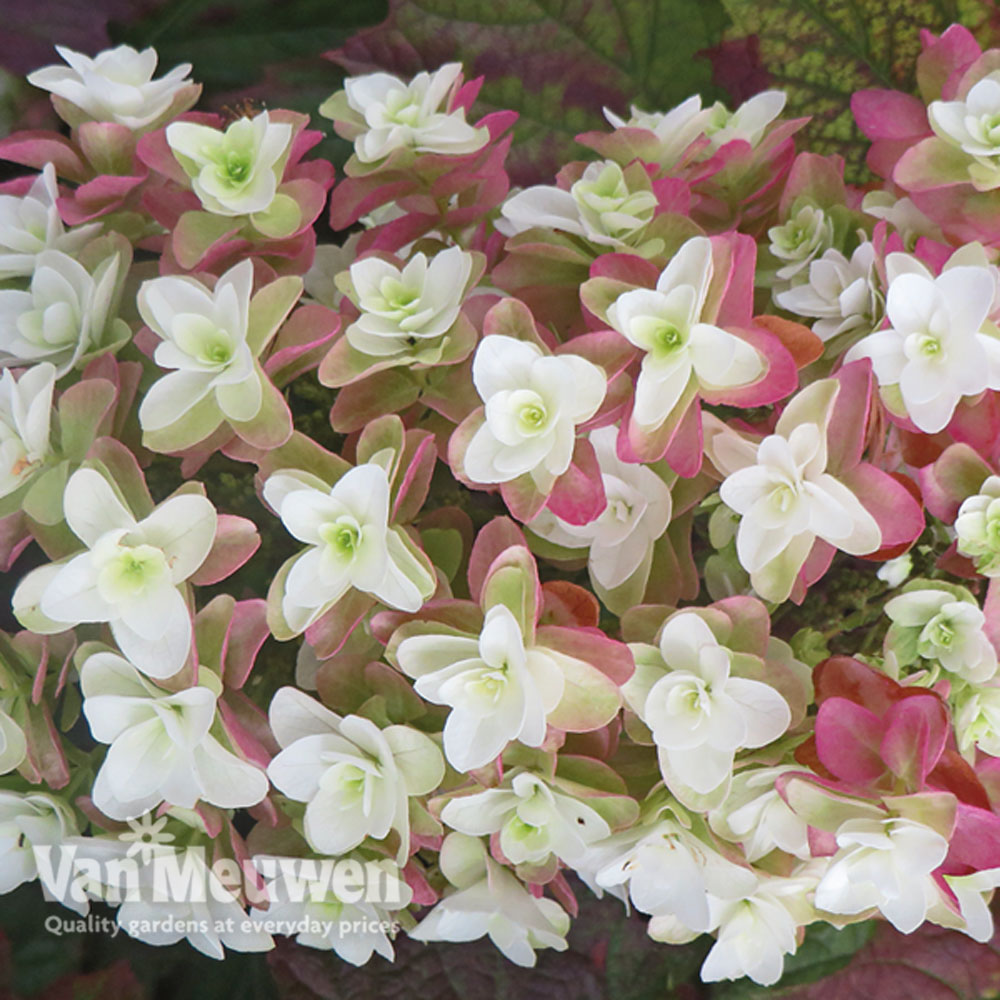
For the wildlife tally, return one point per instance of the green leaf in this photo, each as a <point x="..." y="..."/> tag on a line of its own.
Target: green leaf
<point x="822" y="51"/>
<point x="555" y="62"/>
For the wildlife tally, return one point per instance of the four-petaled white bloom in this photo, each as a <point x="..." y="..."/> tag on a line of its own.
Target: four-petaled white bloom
<point x="61" y="316"/>
<point x="666" y="323"/>
<point x="601" y="207"/>
<point x="28" y="821"/>
<point x="532" y="819"/>
<point x="31" y="224"/>
<point x="755" y="933"/>
<point x="978" y="527"/>
<point x="886" y="865"/>
<point x="971" y="124"/>
<point x="669" y="872"/>
<point x="756" y="816"/>
<point x="785" y="496"/>
<point x="403" y="310"/>
<point x="117" y="85"/>
<point x="25" y="415"/>
<point x="355" y="778"/>
<point x="949" y="630"/>
<point x="497" y="689"/>
<point x="533" y="405"/>
<point x="350" y="544"/>
<point x="939" y="346"/>
<point x="328" y="915"/>
<point x="699" y="714"/>
<point x="840" y="294"/>
<point x="130" y="576"/>
<point x="490" y="900"/>
<point x="204" y="334"/>
<point x="236" y="171"/>
<point x="402" y="115"/>
<point x="161" y="747"/>
<point x="621" y="538"/>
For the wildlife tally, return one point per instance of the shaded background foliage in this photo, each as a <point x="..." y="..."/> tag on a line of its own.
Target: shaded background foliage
<point x="557" y="63"/>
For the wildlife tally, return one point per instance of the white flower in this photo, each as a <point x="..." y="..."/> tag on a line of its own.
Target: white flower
<point x="885" y="865"/>
<point x="235" y="172"/>
<point x="748" y="122"/>
<point x="755" y="933"/>
<point x="490" y="900"/>
<point x="353" y="928"/>
<point x="679" y="127"/>
<point x="27" y="821"/>
<point x="354" y="777"/>
<point x="700" y="715"/>
<point x="840" y="294"/>
<point x="402" y="310"/>
<point x="130" y="576"/>
<point x="533" y="405"/>
<point x="977" y="720"/>
<point x="893" y="572"/>
<point x="160" y="744"/>
<point x="63" y="314"/>
<point x="600" y="207"/>
<point x="402" y="115"/>
<point x="25" y="415"/>
<point x="973" y="893"/>
<point x="803" y="237"/>
<point x="950" y="631"/>
<point x="937" y="348"/>
<point x="756" y="816"/>
<point x="902" y="215"/>
<point x="978" y="527"/>
<point x="31" y="224"/>
<point x="666" y="323"/>
<point x="154" y="906"/>
<point x="675" y="129"/>
<point x="117" y="85"/>
<point x="204" y="337"/>
<point x="532" y="819"/>
<point x="620" y="539"/>
<point x="350" y="545"/>
<point x="971" y="124"/>
<point x="785" y="496"/>
<point x="497" y="689"/>
<point x="669" y="872"/>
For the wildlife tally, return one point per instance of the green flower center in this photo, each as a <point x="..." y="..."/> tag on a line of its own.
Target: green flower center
<point x="940" y="632"/>
<point x="532" y="417"/>
<point x="342" y="536"/>
<point x="132" y="572"/>
<point x="667" y="337"/>
<point x="235" y="168"/>
<point x="930" y="346"/>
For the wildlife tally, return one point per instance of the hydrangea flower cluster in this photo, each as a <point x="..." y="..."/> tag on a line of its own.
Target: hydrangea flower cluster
<point x="639" y="531"/>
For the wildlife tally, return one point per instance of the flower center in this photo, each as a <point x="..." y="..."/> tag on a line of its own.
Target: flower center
<point x="235" y="168"/>
<point x="930" y="346"/>
<point x="940" y="632"/>
<point x="342" y="536"/>
<point x="532" y="417"/>
<point x="132" y="572"/>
